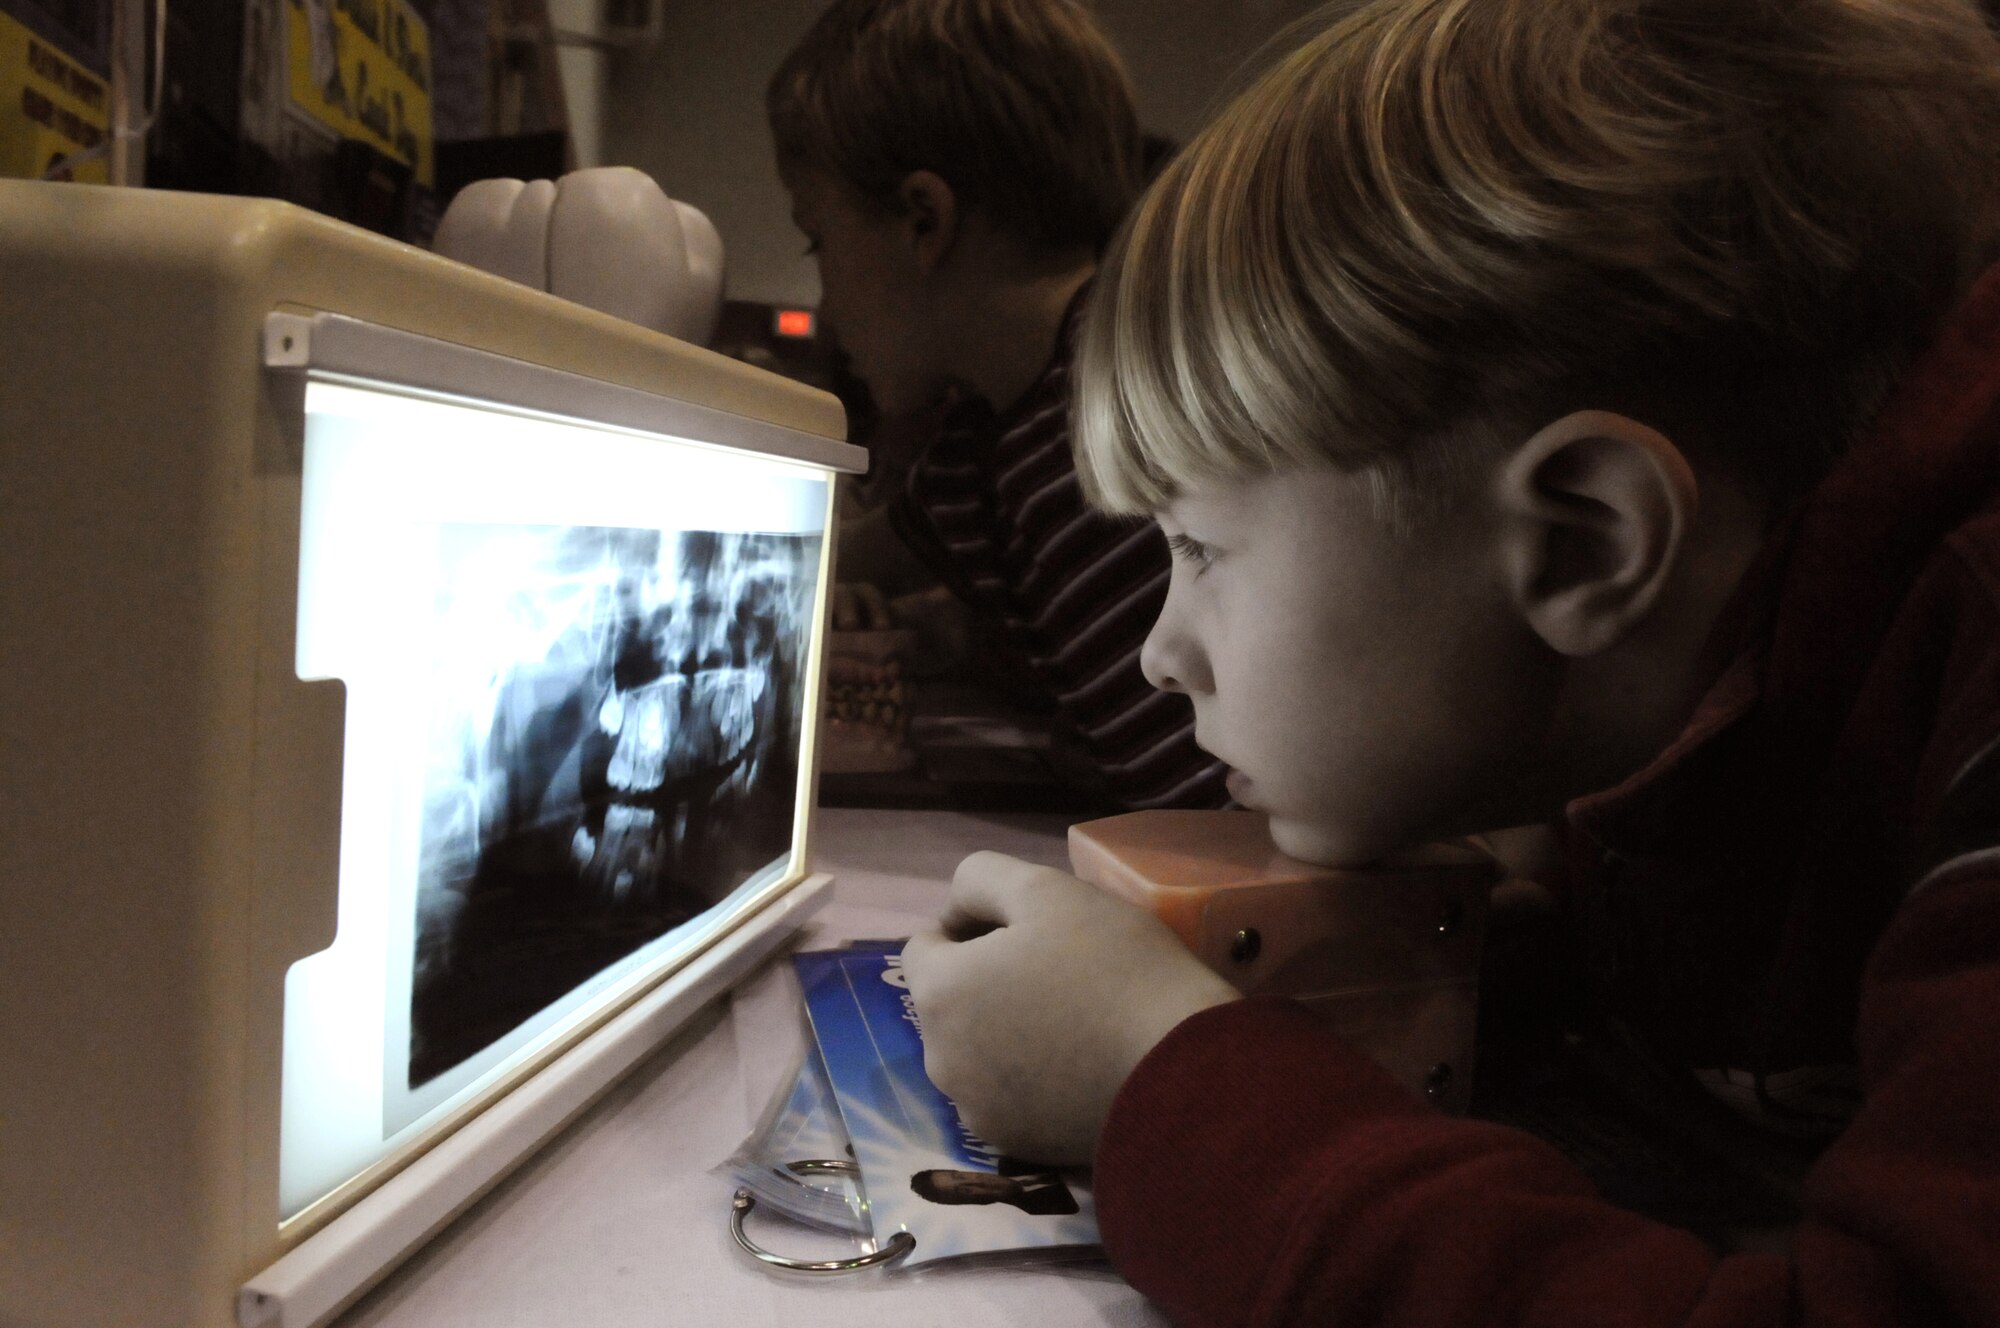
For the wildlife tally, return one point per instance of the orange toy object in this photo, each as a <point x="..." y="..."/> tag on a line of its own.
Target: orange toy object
<point x="1388" y="954"/>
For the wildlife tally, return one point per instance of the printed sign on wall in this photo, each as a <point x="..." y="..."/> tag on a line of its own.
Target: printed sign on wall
<point x="362" y="68"/>
<point x="51" y="107"/>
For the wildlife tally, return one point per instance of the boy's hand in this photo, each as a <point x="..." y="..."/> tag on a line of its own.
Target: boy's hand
<point x="1039" y="993"/>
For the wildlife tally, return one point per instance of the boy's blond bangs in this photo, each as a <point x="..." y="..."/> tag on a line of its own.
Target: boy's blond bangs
<point x="1436" y="220"/>
<point x="1195" y="360"/>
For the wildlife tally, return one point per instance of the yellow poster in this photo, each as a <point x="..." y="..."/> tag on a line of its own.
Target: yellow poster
<point x="50" y="107"/>
<point x="363" y="69"/>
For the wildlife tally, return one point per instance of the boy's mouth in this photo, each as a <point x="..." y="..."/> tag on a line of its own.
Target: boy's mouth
<point x="1239" y="786"/>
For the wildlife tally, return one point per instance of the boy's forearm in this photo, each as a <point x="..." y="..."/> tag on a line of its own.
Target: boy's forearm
<point x="1256" y="1170"/>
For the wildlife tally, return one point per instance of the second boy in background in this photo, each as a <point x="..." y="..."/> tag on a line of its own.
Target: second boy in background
<point x="957" y="166"/>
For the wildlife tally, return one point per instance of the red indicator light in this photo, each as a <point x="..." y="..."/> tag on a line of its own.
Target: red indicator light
<point x="795" y="322"/>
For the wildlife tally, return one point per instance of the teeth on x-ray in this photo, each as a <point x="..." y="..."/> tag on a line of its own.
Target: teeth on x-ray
<point x="640" y="759"/>
<point x="614" y="745"/>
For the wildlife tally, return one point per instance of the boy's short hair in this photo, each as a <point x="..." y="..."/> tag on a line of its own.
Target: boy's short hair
<point x="1439" y="223"/>
<point x="1021" y="106"/>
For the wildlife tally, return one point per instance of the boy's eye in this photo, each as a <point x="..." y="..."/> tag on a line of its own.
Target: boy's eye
<point x="1189" y="549"/>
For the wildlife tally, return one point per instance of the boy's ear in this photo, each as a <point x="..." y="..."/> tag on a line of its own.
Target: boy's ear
<point x="1594" y="508"/>
<point x="930" y="217"/>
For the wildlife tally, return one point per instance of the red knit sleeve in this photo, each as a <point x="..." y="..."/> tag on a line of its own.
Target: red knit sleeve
<point x="1257" y="1170"/>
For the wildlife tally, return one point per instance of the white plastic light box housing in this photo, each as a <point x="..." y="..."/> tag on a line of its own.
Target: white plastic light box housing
<point x="409" y="719"/>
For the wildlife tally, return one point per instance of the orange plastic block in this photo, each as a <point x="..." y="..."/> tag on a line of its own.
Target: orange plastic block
<point x="1389" y="953"/>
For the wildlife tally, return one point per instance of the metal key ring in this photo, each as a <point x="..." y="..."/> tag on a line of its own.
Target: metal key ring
<point x="739" y="1208"/>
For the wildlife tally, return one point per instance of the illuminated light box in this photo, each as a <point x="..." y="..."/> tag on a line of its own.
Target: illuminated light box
<point x="409" y="720"/>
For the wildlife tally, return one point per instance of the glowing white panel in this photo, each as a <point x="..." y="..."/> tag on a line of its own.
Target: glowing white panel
<point x="576" y="660"/>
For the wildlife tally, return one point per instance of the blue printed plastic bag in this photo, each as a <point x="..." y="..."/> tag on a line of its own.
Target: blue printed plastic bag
<point x="922" y="1171"/>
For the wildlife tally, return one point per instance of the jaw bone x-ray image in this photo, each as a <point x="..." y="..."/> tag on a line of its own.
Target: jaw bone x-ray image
<point x="614" y="749"/>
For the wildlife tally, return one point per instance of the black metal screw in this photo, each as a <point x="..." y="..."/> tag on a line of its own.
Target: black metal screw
<point x="1246" y="946"/>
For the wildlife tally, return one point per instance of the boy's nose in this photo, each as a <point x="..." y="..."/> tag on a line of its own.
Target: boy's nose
<point x="1170" y="658"/>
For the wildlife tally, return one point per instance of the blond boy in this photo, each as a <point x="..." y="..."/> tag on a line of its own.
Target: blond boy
<point x="1578" y="410"/>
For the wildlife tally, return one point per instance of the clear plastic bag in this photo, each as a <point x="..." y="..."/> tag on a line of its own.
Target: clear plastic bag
<point x="784" y="1162"/>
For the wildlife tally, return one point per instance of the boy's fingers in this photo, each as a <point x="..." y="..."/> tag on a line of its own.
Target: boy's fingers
<point x="873" y="606"/>
<point x="920" y="949"/>
<point x="932" y="963"/>
<point x="958" y="926"/>
<point x="987" y="891"/>
<point x="846" y="613"/>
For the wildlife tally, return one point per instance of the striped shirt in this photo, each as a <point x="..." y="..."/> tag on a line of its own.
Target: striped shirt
<point x="994" y="504"/>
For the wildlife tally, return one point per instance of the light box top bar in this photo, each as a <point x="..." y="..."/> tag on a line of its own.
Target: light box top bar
<point x="346" y="347"/>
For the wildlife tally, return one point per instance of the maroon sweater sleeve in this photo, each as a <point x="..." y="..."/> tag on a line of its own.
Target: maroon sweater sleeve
<point x="1257" y="1170"/>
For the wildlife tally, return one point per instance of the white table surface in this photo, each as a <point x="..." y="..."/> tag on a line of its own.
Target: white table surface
<point x="622" y="1220"/>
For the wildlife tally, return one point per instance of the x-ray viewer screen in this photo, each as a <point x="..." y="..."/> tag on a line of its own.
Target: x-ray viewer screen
<point x="575" y="662"/>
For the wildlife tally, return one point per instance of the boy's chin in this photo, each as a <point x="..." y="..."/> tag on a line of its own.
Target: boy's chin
<point x="1325" y="846"/>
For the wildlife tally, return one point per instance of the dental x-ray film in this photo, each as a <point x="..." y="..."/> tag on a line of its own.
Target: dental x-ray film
<point x="613" y="749"/>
